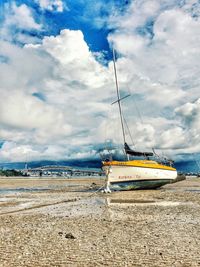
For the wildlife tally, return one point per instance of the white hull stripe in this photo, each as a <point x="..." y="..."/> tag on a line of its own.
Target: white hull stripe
<point x="146" y="167"/>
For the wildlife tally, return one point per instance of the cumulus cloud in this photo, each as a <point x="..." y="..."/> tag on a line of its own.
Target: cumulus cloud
<point x="56" y="96"/>
<point x="158" y="43"/>
<point x="20" y="110"/>
<point x="20" y="16"/>
<point x="172" y="51"/>
<point x="189" y="112"/>
<point x="189" y="116"/>
<point x="17" y="19"/>
<point x="51" y="5"/>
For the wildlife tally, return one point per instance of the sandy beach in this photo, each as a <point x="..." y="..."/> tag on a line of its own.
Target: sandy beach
<point x="62" y="222"/>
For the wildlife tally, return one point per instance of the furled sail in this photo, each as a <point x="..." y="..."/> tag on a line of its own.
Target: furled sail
<point x="131" y="152"/>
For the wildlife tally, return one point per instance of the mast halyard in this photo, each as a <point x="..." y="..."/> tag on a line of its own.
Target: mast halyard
<point x="128" y="151"/>
<point x="118" y="98"/>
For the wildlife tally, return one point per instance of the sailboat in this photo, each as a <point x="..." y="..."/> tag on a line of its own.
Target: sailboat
<point x="142" y="173"/>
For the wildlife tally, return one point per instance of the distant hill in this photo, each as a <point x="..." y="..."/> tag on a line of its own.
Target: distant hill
<point x="187" y="166"/>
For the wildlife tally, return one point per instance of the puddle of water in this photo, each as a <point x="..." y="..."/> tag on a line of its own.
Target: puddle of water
<point x="21" y="190"/>
<point x="37" y="189"/>
<point x="193" y="190"/>
<point x="130" y="201"/>
<point x="74" y="185"/>
<point x="141" y="202"/>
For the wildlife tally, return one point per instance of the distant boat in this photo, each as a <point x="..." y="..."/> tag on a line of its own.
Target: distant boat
<point x="136" y="173"/>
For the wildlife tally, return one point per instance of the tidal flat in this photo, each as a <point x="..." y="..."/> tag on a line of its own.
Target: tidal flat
<point x="69" y="222"/>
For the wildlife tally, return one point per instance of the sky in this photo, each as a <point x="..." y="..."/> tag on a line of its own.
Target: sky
<point x="57" y="80"/>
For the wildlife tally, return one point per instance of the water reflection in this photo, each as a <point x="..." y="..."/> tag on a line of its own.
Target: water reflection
<point x="21" y="190"/>
<point x="141" y="202"/>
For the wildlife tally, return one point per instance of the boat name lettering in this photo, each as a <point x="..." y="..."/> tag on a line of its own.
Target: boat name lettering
<point x="125" y="177"/>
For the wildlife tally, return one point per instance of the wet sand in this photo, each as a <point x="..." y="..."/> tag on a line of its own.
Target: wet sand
<point x="62" y="222"/>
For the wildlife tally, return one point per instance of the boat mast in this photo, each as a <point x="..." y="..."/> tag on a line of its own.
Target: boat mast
<point x="118" y="97"/>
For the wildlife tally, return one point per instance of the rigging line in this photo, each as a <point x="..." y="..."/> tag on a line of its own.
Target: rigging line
<point x="197" y="163"/>
<point x="140" y="116"/>
<point x="138" y="111"/>
<point x="129" y="132"/>
<point x="118" y="96"/>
